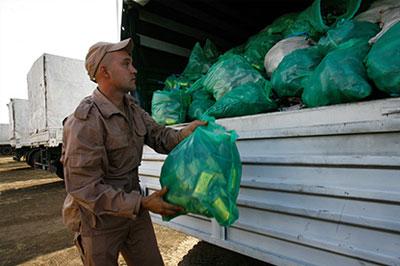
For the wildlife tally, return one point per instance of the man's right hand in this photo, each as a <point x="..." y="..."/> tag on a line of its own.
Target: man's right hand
<point x="156" y="204"/>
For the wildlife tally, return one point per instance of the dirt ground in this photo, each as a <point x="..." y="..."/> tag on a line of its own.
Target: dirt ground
<point x="32" y="233"/>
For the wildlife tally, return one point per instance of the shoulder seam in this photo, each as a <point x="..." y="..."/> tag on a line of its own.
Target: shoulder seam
<point x="83" y="109"/>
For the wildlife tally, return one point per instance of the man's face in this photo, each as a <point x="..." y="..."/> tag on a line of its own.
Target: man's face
<point x="122" y="72"/>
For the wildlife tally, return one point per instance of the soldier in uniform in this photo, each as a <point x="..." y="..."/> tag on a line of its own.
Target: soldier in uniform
<point x="102" y="150"/>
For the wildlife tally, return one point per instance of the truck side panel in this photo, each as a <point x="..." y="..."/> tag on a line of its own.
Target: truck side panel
<point x="56" y="85"/>
<point x="323" y="191"/>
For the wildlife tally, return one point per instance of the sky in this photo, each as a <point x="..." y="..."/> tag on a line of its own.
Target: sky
<point x="29" y="28"/>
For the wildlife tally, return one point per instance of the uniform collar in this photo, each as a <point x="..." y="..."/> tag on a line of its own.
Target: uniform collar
<point x="106" y="107"/>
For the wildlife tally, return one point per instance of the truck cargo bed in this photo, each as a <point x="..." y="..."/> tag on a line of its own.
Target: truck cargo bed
<point x="320" y="186"/>
<point x="18" y="110"/>
<point x="56" y="85"/>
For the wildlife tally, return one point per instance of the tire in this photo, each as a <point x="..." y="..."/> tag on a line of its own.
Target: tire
<point x="33" y="156"/>
<point x="204" y="253"/>
<point x="59" y="170"/>
<point x="6" y="150"/>
<point x="28" y="158"/>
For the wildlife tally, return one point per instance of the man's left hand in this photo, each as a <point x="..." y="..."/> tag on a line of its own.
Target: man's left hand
<point x="186" y="131"/>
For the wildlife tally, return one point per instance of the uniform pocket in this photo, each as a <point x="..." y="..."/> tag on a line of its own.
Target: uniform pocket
<point x="139" y="124"/>
<point x="140" y="129"/>
<point x="71" y="214"/>
<point x="115" y="142"/>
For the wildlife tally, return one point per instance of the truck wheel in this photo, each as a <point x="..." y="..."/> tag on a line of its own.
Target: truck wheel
<point x="6" y="151"/>
<point x="33" y="156"/>
<point x="59" y="170"/>
<point x="28" y="158"/>
<point x="204" y="253"/>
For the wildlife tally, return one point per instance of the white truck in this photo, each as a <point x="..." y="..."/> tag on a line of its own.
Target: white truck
<point x="320" y="186"/>
<point x="56" y="85"/>
<point x="5" y="147"/>
<point x="18" y="110"/>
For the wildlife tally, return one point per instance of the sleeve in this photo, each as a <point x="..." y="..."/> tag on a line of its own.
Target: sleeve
<point x="158" y="137"/>
<point x="85" y="164"/>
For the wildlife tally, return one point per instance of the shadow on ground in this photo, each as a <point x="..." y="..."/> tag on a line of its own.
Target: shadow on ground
<point x="207" y="254"/>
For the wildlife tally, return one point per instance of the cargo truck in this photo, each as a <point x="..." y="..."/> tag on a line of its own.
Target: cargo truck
<point x="320" y="186"/>
<point x="56" y="85"/>
<point x="18" y="110"/>
<point x="5" y="146"/>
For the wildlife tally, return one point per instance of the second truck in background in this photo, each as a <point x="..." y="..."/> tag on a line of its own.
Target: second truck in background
<point x="56" y="85"/>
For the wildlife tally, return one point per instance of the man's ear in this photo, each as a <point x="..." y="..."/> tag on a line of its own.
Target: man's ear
<point x="104" y="72"/>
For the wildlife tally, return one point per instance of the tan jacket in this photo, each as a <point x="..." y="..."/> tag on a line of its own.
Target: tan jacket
<point x="102" y="150"/>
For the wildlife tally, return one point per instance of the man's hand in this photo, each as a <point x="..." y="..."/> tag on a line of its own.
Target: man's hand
<point x="156" y="204"/>
<point x="186" y="131"/>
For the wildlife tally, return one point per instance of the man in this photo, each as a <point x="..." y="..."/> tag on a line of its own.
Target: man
<point x="102" y="149"/>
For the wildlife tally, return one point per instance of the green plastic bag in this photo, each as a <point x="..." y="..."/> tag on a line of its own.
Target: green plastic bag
<point x="201" y="102"/>
<point x="281" y="25"/>
<point x="229" y="72"/>
<point x="346" y="30"/>
<point x="169" y="107"/>
<point x="203" y="174"/>
<point x="383" y="62"/>
<point x="197" y="85"/>
<point x="323" y="14"/>
<point x="175" y="82"/>
<point x="246" y="99"/>
<point x="238" y="50"/>
<point x="210" y="51"/>
<point x="198" y="64"/>
<point x="198" y="107"/>
<point x="340" y="77"/>
<point x="294" y="68"/>
<point x="257" y="46"/>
